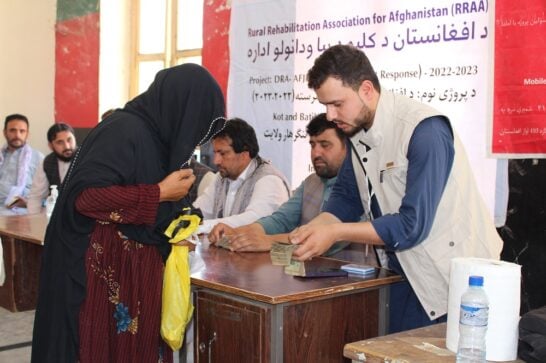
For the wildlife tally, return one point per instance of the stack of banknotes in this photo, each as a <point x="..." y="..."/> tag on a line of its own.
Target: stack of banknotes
<point x="281" y="255"/>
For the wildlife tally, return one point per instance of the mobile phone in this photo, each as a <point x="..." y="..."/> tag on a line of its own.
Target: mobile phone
<point x="357" y="269"/>
<point x="324" y="272"/>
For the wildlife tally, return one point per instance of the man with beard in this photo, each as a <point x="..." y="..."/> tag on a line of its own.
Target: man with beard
<point x="246" y="187"/>
<point x="62" y="142"/>
<point x="408" y="173"/>
<point x="327" y="153"/>
<point x="18" y="162"/>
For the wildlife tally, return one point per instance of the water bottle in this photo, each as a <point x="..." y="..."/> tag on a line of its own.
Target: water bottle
<point x="473" y="322"/>
<point x="51" y="200"/>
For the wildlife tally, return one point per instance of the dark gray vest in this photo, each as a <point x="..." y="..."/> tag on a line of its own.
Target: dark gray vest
<point x="51" y="169"/>
<point x="244" y="193"/>
<point x="313" y="189"/>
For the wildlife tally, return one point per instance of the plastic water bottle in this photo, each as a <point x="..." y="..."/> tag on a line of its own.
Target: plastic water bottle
<point x="473" y="322"/>
<point x="51" y="200"/>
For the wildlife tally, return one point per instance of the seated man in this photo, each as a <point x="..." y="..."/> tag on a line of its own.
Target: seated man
<point x="52" y="170"/>
<point x="246" y="187"/>
<point x="328" y="151"/>
<point x="18" y="162"/>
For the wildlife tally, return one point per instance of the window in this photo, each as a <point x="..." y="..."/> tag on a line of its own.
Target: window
<point x="166" y="33"/>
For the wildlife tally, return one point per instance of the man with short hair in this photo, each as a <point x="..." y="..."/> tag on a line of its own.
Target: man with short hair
<point x="62" y="142"/>
<point x="407" y="171"/>
<point x="328" y="151"/>
<point x="246" y="186"/>
<point x="18" y="162"/>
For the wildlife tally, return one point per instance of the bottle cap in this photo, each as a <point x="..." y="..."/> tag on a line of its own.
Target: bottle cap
<point x="475" y="281"/>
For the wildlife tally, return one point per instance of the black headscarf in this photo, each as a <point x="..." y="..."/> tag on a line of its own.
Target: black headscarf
<point x="152" y="136"/>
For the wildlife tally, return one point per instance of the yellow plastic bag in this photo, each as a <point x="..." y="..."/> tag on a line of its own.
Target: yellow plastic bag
<point x="182" y="227"/>
<point x="176" y="308"/>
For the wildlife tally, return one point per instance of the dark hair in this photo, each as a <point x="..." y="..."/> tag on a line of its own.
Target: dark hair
<point x="15" y="116"/>
<point x="344" y="62"/>
<point x="242" y="135"/>
<point x="320" y="123"/>
<point x="55" y="129"/>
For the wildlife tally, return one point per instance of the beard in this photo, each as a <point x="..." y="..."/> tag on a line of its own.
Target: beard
<point x="224" y="173"/>
<point x="16" y="143"/>
<point x="323" y="170"/>
<point x="64" y="158"/>
<point x="363" y="121"/>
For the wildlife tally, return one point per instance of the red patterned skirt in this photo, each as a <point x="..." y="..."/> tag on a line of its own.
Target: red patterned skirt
<point x="121" y="315"/>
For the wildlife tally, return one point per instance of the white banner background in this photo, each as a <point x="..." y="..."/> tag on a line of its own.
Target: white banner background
<point x="440" y="55"/>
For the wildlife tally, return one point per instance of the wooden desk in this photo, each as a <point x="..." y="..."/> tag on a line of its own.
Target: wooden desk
<point x="22" y="238"/>
<point x="423" y="345"/>
<point x="247" y="310"/>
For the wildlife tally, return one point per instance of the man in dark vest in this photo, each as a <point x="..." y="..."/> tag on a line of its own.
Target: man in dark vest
<point x="246" y="187"/>
<point x="62" y="142"/>
<point x="327" y="153"/>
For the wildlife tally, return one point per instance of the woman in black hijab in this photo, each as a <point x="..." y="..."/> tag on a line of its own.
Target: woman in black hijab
<point x="102" y="266"/>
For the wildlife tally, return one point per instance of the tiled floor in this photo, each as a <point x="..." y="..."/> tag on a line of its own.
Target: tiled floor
<point x="15" y="336"/>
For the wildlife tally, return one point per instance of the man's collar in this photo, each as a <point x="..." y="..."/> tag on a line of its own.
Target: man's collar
<point x="329" y="181"/>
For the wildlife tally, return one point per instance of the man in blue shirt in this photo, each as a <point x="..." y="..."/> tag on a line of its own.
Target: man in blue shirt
<point x="328" y="150"/>
<point x="407" y="173"/>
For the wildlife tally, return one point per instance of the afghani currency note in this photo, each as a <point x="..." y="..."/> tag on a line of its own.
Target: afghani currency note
<point x="295" y="268"/>
<point x="281" y="253"/>
<point x="224" y="243"/>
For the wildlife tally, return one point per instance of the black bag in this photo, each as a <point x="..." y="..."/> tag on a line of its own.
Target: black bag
<point x="532" y="336"/>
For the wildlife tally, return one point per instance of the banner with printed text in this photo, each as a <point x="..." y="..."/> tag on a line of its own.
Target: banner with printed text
<point x="519" y="121"/>
<point x="439" y="53"/>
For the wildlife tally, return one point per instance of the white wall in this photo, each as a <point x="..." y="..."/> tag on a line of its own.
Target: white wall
<point x="27" y="64"/>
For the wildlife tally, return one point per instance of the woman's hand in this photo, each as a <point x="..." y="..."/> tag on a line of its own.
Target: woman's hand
<point x="191" y="246"/>
<point x="176" y="185"/>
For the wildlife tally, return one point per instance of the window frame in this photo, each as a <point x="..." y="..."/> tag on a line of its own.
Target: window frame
<point x="170" y="57"/>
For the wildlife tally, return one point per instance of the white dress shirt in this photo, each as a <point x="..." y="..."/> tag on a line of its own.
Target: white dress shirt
<point x="40" y="186"/>
<point x="9" y="171"/>
<point x="268" y="194"/>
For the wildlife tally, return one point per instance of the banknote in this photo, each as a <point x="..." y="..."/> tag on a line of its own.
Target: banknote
<point x="223" y="243"/>
<point x="295" y="268"/>
<point x="314" y="268"/>
<point x="281" y="253"/>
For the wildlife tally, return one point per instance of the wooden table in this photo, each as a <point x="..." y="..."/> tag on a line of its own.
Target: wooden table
<point x="423" y="345"/>
<point x="22" y="238"/>
<point x="247" y="310"/>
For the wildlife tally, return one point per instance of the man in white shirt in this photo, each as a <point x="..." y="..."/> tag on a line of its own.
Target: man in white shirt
<point x="246" y="186"/>
<point x="52" y="170"/>
<point x="18" y="162"/>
